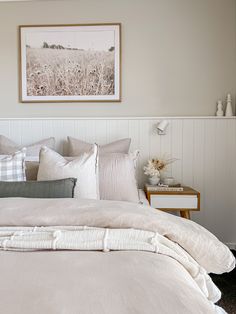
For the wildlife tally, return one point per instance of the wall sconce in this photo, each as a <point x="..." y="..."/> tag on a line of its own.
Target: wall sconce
<point x="162" y="126"/>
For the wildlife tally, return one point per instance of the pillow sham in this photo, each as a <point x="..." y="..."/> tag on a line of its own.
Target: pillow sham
<point x="8" y="147"/>
<point x="77" y="147"/>
<point x="12" y="167"/>
<point x="117" y="179"/>
<point x="39" y="189"/>
<point x="53" y="166"/>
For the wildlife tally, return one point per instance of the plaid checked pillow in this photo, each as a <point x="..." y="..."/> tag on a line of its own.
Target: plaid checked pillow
<point x="12" y="167"/>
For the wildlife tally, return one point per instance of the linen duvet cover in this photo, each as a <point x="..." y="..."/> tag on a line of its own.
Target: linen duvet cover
<point x="67" y="256"/>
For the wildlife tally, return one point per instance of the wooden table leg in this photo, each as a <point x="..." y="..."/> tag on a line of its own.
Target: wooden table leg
<point x="185" y="214"/>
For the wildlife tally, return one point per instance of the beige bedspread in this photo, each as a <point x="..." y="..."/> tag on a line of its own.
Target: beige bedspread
<point x="99" y="283"/>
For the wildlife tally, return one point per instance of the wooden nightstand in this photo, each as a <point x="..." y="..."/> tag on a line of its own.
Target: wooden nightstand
<point x="182" y="201"/>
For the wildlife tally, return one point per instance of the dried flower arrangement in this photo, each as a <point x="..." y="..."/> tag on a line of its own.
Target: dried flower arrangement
<point x="155" y="165"/>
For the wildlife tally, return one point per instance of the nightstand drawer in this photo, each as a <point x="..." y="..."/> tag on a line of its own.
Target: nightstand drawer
<point x="174" y="201"/>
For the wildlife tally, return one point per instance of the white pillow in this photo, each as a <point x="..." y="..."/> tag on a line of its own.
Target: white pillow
<point x="117" y="179"/>
<point x="12" y="167"/>
<point x="53" y="166"/>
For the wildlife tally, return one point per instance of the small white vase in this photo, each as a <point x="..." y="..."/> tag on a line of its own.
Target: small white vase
<point x="220" y="111"/>
<point x="154" y="180"/>
<point x="229" y="110"/>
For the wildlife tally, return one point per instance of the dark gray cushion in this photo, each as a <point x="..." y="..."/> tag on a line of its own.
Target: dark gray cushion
<point x="39" y="189"/>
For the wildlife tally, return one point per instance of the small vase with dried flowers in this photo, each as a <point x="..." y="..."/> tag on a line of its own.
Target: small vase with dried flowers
<point x="154" y="167"/>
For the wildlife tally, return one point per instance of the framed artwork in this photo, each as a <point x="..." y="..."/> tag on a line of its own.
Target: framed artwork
<point x="70" y="63"/>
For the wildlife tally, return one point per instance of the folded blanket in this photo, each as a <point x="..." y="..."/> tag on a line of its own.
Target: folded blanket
<point x="93" y="239"/>
<point x="203" y="246"/>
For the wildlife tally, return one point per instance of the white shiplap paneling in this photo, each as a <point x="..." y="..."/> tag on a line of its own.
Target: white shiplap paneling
<point x="205" y="148"/>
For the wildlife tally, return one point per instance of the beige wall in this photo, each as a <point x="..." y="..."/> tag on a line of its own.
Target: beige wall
<point x="178" y="56"/>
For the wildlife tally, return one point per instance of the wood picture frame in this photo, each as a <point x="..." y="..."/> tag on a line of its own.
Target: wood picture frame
<point x="70" y="63"/>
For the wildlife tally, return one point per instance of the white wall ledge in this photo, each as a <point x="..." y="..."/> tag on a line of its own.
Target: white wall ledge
<point x="121" y="118"/>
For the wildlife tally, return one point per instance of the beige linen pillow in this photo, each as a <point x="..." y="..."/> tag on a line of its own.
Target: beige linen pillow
<point x="117" y="179"/>
<point x="52" y="166"/>
<point x="8" y="147"/>
<point x="31" y="170"/>
<point x="77" y="147"/>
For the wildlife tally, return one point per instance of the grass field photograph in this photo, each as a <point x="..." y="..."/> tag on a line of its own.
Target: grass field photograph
<point x="70" y="63"/>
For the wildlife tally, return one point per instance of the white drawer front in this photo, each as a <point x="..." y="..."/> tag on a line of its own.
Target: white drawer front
<point x="174" y="201"/>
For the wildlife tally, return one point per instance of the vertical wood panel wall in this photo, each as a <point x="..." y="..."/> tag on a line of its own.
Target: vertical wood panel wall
<point x="205" y="148"/>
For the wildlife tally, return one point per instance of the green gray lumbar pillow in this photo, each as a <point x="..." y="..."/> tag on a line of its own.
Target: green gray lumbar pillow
<point x="39" y="189"/>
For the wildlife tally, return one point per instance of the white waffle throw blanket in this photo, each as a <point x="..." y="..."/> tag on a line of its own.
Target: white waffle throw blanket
<point x="105" y="239"/>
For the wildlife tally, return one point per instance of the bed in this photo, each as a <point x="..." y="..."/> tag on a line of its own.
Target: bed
<point x="105" y="257"/>
<point x="78" y="242"/>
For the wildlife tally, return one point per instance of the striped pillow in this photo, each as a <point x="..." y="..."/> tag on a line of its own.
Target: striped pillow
<point x="12" y="167"/>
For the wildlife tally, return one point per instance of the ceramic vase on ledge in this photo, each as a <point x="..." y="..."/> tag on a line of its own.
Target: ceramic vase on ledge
<point x="228" y="110"/>
<point x="154" y="180"/>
